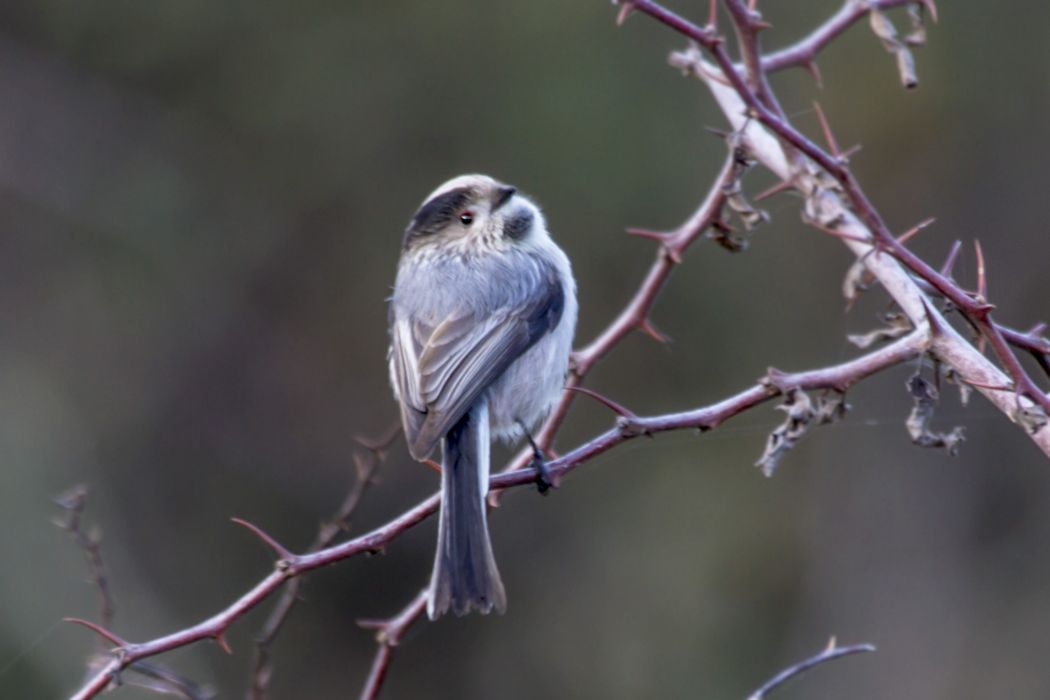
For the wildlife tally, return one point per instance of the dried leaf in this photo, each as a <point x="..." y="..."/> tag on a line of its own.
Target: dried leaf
<point x="801" y="414"/>
<point x="727" y="237"/>
<point x="965" y="390"/>
<point x="917" y="35"/>
<point x="737" y="202"/>
<point x="897" y="326"/>
<point x="733" y="191"/>
<point x="858" y="279"/>
<point x="887" y="34"/>
<point x="1031" y="417"/>
<point x="925" y="396"/>
<point x="822" y="206"/>
<point x="831" y="407"/>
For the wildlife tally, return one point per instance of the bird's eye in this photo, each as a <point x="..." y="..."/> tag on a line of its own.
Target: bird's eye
<point x="466" y="218"/>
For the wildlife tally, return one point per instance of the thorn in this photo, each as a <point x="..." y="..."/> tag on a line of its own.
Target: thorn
<point x="931" y="7"/>
<point x="949" y="263"/>
<point x="982" y="292"/>
<point x="648" y="233"/>
<point x="774" y="379"/>
<point x="432" y="464"/>
<point x="626" y="8"/>
<point x="774" y="190"/>
<point x="371" y="624"/>
<point x="814" y="70"/>
<point x="720" y="133"/>
<point x="914" y="230"/>
<point x="991" y="387"/>
<point x="982" y="281"/>
<point x="384" y="441"/>
<point x="97" y="629"/>
<point x="851" y="151"/>
<point x="826" y="128"/>
<point x="936" y="326"/>
<point x="983" y="310"/>
<point x="220" y="639"/>
<point x="646" y="326"/>
<point x="832" y="644"/>
<point x="604" y="400"/>
<point x="1037" y="329"/>
<point x="712" y="16"/>
<point x="270" y="542"/>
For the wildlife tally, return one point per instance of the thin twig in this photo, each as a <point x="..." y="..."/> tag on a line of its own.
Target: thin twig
<point x="837" y="377"/>
<point x="804" y="52"/>
<point x="388" y="635"/>
<point x="673" y="245"/>
<point x="149" y="676"/>
<point x="365" y="469"/>
<point x="830" y="653"/>
<point x="857" y="215"/>
<point x="73" y="502"/>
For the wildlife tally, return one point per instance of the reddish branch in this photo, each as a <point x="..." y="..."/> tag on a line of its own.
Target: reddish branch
<point x="635" y="316"/>
<point x="748" y="25"/>
<point x="288" y="566"/>
<point x="803" y="53"/>
<point x="365" y="469"/>
<point x="976" y="308"/>
<point x="388" y="635"/>
<point x="754" y="91"/>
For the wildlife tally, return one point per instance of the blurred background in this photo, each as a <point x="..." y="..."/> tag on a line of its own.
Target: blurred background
<point x="201" y="206"/>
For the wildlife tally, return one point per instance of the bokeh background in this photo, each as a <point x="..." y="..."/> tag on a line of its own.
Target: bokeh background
<point x="200" y="212"/>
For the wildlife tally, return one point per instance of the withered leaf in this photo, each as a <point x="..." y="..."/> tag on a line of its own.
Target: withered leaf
<point x="925" y="396"/>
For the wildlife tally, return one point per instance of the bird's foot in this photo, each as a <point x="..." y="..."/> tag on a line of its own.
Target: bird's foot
<point x="544" y="478"/>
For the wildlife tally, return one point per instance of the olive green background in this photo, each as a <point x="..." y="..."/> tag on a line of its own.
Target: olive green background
<point x="201" y="205"/>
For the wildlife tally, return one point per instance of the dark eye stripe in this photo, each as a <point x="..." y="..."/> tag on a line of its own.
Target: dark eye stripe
<point x="438" y="213"/>
<point x="518" y="225"/>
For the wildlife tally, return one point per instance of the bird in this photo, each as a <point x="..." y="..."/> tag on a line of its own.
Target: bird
<point x="481" y="324"/>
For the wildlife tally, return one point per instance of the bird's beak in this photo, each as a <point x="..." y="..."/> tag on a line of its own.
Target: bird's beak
<point x="503" y="195"/>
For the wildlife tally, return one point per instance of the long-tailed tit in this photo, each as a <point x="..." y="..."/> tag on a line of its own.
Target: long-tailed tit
<point x="481" y="325"/>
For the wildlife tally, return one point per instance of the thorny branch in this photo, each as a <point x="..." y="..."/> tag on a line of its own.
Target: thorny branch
<point x="834" y="203"/>
<point x="635" y="315"/>
<point x="288" y="565"/>
<point x="73" y="502"/>
<point x="365" y="468"/>
<point x="153" y="677"/>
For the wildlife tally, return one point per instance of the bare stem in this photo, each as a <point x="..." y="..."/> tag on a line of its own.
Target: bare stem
<point x="837" y="377"/>
<point x="365" y="467"/>
<point x="832" y="652"/>
<point x="846" y="209"/>
<point x="804" y="52"/>
<point x="388" y="635"/>
<point x="73" y="501"/>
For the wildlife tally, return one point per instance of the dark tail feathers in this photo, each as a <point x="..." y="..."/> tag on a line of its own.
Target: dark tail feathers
<point x="465" y="576"/>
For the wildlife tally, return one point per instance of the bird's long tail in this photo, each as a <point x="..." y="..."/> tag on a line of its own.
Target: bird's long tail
<point x="465" y="576"/>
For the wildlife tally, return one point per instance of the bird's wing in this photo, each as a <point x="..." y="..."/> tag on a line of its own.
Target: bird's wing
<point x="441" y="369"/>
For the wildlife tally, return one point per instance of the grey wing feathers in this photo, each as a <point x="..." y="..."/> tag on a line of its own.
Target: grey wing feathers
<point x="442" y="369"/>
